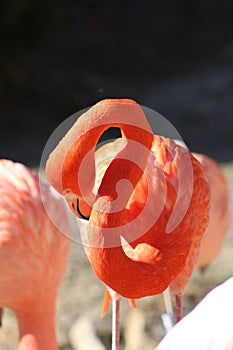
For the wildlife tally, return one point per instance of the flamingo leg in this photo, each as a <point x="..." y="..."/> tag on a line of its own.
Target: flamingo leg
<point x="168" y="302"/>
<point x="1" y="313"/>
<point x="116" y="322"/>
<point x="168" y="316"/>
<point x="179" y="308"/>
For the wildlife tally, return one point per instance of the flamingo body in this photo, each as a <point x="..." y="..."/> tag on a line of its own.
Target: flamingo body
<point x="33" y="252"/>
<point x="213" y="238"/>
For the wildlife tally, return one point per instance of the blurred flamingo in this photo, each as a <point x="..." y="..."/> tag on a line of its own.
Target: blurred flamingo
<point x="28" y="342"/>
<point x="33" y="253"/>
<point x="135" y="255"/>
<point x="214" y="235"/>
<point x="219" y="216"/>
<point x="208" y="327"/>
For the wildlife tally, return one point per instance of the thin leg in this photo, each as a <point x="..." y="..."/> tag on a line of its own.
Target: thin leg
<point x="116" y="323"/>
<point x="168" y="302"/>
<point x="1" y="312"/>
<point x="168" y="316"/>
<point x="179" y="309"/>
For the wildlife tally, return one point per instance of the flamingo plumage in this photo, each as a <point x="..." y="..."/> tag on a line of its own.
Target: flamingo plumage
<point x="33" y="253"/>
<point x="219" y="215"/>
<point x="28" y="342"/>
<point x="134" y="255"/>
<point x="213" y="238"/>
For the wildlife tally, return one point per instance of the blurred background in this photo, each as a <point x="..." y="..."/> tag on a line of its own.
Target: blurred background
<point x="174" y="56"/>
<point x="57" y="57"/>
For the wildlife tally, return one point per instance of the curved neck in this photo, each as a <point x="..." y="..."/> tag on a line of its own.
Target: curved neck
<point x="78" y="165"/>
<point x="38" y="321"/>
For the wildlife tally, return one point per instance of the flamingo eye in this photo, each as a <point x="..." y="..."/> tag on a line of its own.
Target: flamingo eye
<point x="82" y="216"/>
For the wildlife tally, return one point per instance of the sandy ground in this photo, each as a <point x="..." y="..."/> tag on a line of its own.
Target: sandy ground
<point x="81" y="294"/>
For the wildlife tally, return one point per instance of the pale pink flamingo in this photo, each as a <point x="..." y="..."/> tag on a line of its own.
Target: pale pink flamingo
<point x="133" y="265"/>
<point x="33" y="253"/>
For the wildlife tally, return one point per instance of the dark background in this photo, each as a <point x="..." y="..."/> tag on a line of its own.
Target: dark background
<point x="57" y="57"/>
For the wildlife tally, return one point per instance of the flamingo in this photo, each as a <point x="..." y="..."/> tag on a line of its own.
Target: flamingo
<point x="219" y="216"/>
<point x="214" y="235"/>
<point x="33" y="253"/>
<point x="28" y="342"/>
<point x="208" y="326"/>
<point x="146" y="204"/>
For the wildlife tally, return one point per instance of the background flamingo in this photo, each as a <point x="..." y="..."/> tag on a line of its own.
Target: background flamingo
<point x="33" y="253"/>
<point x="208" y="327"/>
<point x="144" y="265"/>
<point x="28" y="342"/>
<point x="214" y="236"/>
<point x="212" y="240"/>
<point x="219" y="215"/>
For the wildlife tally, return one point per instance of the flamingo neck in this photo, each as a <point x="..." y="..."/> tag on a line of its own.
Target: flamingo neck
<point x="77" y="167"/>
<point x="38" y="322"/>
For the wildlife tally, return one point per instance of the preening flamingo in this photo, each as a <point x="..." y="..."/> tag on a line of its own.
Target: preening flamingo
<point x="208" y="327"/>
<point x="33" y="253"/>
<point x="151" y="204"/>
<point x="219" y="216"/>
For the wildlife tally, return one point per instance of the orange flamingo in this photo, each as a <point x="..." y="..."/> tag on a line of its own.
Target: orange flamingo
<point x="135" y="255"/>
<point x="208" y="327"/>
<point x="33" y="254"/>
<point x="219" y="216"/>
